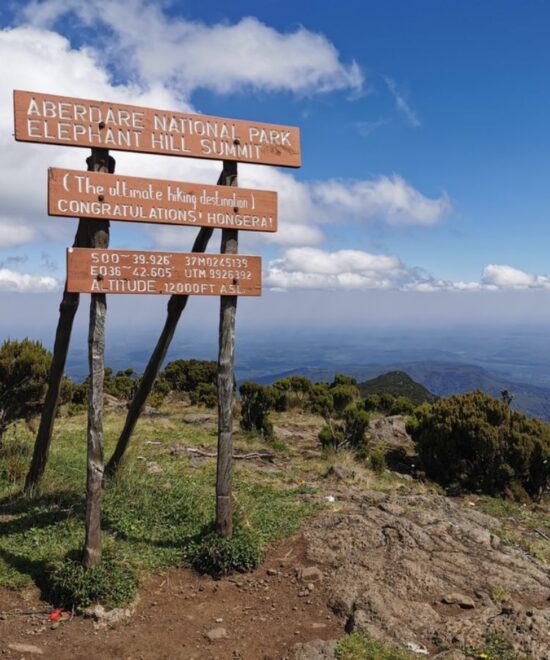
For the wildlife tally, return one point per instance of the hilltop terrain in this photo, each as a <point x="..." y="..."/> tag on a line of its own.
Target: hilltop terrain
<point x="440" y="379"/>
<point x="352" y="549"/>
<point x="397" y="383"/>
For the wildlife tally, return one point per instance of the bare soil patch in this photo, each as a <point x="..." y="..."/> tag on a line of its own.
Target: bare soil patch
<point x="253" y="616"/>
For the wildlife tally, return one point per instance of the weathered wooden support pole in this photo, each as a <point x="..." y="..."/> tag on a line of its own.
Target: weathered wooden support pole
<point x="67" y="312"/>
<point x="99" y="238"/>
<point x="175" y="307"/>
<point x="226" y="363"/>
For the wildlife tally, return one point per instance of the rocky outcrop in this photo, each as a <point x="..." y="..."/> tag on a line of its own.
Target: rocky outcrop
<point x="424" y="570"/>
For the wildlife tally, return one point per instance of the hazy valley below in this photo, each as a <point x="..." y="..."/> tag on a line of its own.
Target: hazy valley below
<point x="444" y="360"/>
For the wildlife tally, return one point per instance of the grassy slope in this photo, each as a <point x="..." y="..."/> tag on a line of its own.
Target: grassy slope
<point x="150" y="513"/>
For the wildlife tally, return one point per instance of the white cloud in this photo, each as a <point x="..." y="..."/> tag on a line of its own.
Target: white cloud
<point x="506" y="277"/>
<point x="13" y="233"/>
<point x="310" y="268"/>
<point x="390" y="198"/>
<point x="402" y="104"/>
<point x="179" y="52"/>
<point x="11" y="280"/>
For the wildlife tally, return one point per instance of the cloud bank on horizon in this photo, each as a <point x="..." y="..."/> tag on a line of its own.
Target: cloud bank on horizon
<point x="167" y="70"/>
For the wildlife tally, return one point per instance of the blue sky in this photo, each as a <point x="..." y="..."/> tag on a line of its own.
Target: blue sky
<point x="425" y="142"/>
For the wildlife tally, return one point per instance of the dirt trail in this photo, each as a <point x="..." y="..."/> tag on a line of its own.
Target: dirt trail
<point x="263" y="614"/>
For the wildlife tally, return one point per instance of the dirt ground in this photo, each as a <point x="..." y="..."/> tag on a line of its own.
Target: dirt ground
<point x="263" y="614"/>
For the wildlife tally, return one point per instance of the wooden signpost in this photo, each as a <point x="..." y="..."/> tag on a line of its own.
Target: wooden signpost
<point x="98" y="196"/>
<point x="84" y="123"/>
<point x="72" y="193"/>
<point x="171" y="273"/>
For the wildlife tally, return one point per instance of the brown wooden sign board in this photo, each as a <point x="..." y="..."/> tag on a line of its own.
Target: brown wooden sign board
<point x="74" y="193"/>
<point x="83" y="123"/>
<point x="172" y="273"/>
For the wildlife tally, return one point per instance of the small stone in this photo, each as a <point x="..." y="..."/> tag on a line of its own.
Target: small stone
<point x="462" y="601"/>
<point x="311" y="574"/>
<point x="26" y="648"/>
<point x="311" y="586"/>
<point x="272" y="571"/>
<point x="216" y="634"/>
<point x="219" y="620"/>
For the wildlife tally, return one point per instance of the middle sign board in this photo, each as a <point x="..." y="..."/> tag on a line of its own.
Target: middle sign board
<point x="101" y="196"/>
<point x="91" y="270"/>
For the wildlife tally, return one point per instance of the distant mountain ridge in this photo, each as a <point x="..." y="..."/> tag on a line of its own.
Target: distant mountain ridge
<point x="441" y="379"/>
<point x="397" y="383"/>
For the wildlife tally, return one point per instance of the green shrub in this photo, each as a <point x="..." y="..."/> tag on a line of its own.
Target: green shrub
<point x="351" y="432"/>
<point x="331" y="436"/>
<point x="205" y="394"/>
<point x="343" y="379"/>
<point x="218" y="556"/>
<point x="291" y="392"/>
<point x="24" y="367"/>
<point x="475" y="443"/>
<point x="386" y="402"/>
<point x="110" y="583"/>
<point x="402" y="405"/>
<point x="256" y="402"/>
<point x="343" y="396"/>
<point x="281" y="395"/>
<point x="321" y="401"/>
<point x="372" y="402"/>
<point x="122" y="385"/>
<point x="377" y="459"/>
<point x="356" y="423"/>
<point x="160" y="391"/>
<point x="187" y="375"/>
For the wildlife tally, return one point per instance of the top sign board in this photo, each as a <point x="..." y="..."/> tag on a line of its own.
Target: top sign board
<point x="83" y="123"/>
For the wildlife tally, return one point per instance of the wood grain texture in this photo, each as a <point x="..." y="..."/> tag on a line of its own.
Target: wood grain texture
<point x="226" y="384"/>
<point x="140" y="272"/>
<point x="72" y="193"/>
<point x="52" y="119"/>
<point x="99" y="238"/>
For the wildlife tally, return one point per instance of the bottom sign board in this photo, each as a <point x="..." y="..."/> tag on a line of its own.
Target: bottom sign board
<point x="172" y="273"/>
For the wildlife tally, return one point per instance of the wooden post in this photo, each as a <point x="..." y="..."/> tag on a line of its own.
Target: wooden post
<point x="67" y="312"/>
<point x="175" y="307"/>
<point x="99" y="238"/>
<point x="226" y="362"/>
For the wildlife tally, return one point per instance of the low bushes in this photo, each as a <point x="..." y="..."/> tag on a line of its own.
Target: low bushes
<point x="217" y="556"/>
<point x="475" y="443"/>
<point x="110" y="583"/>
